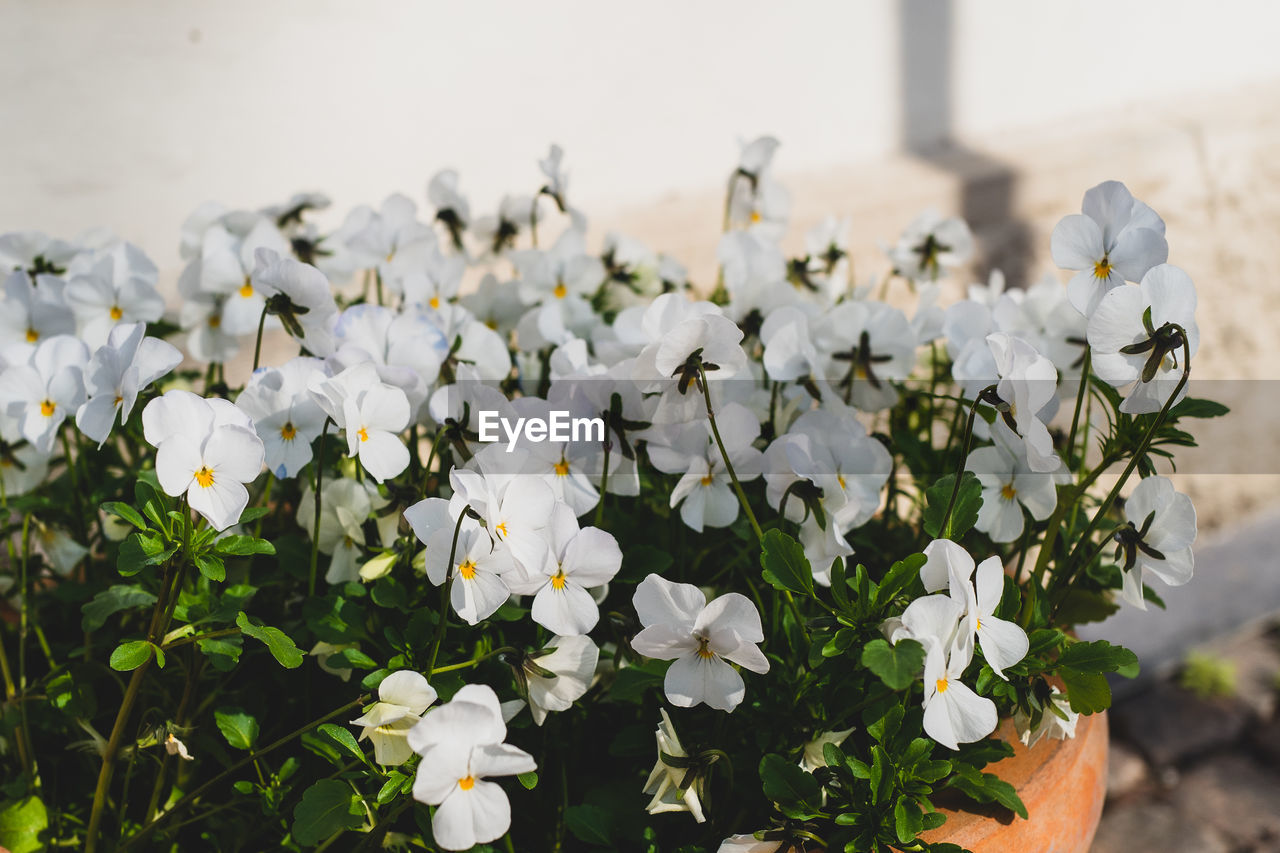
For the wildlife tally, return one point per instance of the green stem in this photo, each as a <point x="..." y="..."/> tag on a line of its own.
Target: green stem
<point x="315" y="528"/>
<point x="33" y="770"/>
<point x="944" y="529"/>
<point x="190" y="798"/>
<point x="257" y="347"/>
<point x="444" y="594"/>
<point x="604" y="483"/>
<point x="473" y="662"/>
<point x="724" y="454"/>
<point x="1075" y="417"/>
<point x="1072" y="565"/>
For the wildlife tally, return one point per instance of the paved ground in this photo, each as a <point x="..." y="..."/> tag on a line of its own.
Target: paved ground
<point x="1195" y="774"/>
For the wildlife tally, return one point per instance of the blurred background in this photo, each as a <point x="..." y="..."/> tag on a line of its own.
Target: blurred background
<point x="129" y="114"/>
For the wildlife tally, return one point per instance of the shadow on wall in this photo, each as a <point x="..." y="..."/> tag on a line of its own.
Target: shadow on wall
<point x="987" y="186"/>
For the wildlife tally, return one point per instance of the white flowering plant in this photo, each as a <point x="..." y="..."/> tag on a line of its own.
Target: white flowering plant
<point x="492" y="504"/>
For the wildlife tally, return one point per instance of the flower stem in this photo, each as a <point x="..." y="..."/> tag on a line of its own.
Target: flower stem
<point x="944" y="529"/>
<point x="604" y="482"/>
<point x="315" y="528"/>
<point x="1072" y="568"/>
<point x="1075" y="417"/>
<point x="445" y="589"/>
<point x="191" y="797"/>
<point x="724" y="454"/>
<point x="257" y="347"/>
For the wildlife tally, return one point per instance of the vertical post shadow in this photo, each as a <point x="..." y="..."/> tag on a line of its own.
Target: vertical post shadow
<point x="988" y="186"/>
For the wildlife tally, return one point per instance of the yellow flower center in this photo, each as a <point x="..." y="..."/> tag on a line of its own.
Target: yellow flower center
<point x="288" y="431"/>
<point x="558" y="580"/>
<point x="6" y="463"/>
<point x="246" y="289"/>
<point x="1008" y="491"/>
<point x="561" y="291"/>
<point x="32" y="335"/>
<point x="840" y="480"/>
<point x="47" y="407"/>
<point x="116" y="313"/>
<point x="942" y="685"/>
<point x="119" y="399"/>
<point x="562" y="468"/>
<point x="755" y="217"/>
<point x="215" y="321"/>
<point x="204" y="477"/>
<point x="466" y="783"/>
<point x="706" y="480"/>
<point x="362" y="434"/>
<point x="434" y="302"/>
<point x="467" y="569"/>
<point x="1102" y="269"/>
<point x="492" y="324"/>
<point x="502" y="529"/>
<point x="704" y="652"/>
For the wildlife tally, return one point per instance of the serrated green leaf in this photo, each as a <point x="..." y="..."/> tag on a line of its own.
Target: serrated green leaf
<point x="964" y="514"/>
<point x="238" y="726"/>
<point x="282" y="648"/>
<point x="1097" y="656"/>
<point x="212" y="567"/>
<point x="897" y="665"/>
<point x="784" y="563"/>
<point x="324" y="809"/>
<point x="110" y="601"/>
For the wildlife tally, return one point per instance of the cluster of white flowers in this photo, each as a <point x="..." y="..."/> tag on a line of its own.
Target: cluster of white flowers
<point x="410" y="324"/>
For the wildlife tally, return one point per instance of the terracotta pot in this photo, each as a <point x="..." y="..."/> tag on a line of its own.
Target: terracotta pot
<point x="1063" y="784"/>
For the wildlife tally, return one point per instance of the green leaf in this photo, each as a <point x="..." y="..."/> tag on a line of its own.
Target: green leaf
<point x="965" y="513"/>
<point x="1098" y="656"/>
<point x="357" y="659"/>
<point x="278" y="643"/>
<point x="390" y="788"/>
<point x="128" y="513"/>
<point x="238" y="726"/>
<point x="631" y="683"/>
<point x="908" y="819"/>
<point x="1087" y="692"/>
<point x="140" y="550"/>
<point x="529" y="780"/>
<point x="223" y="652"/>
<point x="897" y="665"/>
<point x="899" y="577"/>
<point x="130" y="655"/>
<point x="212" y="567"/>
<point x="591" y="824"/>
<point x="325" y="808"/>
<point x="253" y="513"/>
<point x="642" y="560"/>
<point x="786" y="783"/>
<point x="148" y="497"/>
<point x="784" y="563"/>
<point x="1195" y="408"/>
<point x="344" y="737"/>
<point x="110" y="601"/>
<point x="1004" y="794"/>
<point x="21" y="822"/>
<point x="241" y="546"/>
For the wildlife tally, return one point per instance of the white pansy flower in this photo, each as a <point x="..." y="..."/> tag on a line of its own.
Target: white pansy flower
<point x="1134" y="338"/>
<point x="701" y="638"/>
<point x="31" y="314"/>
<point x="22" y="469"/>
<point x="285" y="415"/>
<point x="207" y="460"/>
<point x="117" y="373"/>
<point x="103" y="297"/>
<point x="45" y="390"/>
<point x="573" y="662"/>
<point x="1157" y="538"/>
<point x="403" y="697"/>
<point x="1058" y="721"/>
<point x="1028" y="383"/>
<point x="1115" y="239"/>
<point x="744" y="843"/>
<point x="461" y="744"/>
<point x="343" y="510"/>
<point x="931" y="246"/>
<point x="1009" y="485"/>
<point x="577" y="560"/>
<point x="666" y="783"/>
<point x="812" y="755"/>
<point x="56" y="544"/>
<point x="300" y="296"/>
<point x="479" y="564"/>
<point x="870" y="345"/>
<point x="452" y="210"/>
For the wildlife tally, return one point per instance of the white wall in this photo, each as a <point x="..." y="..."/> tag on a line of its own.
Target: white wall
<point x="128" y="114"/>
